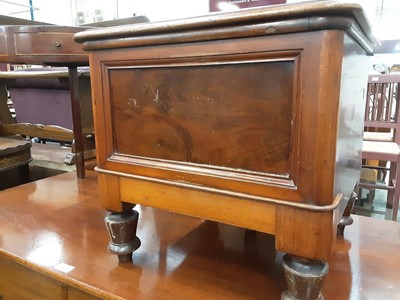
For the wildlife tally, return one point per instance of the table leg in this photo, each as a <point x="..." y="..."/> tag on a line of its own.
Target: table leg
<point x="304" y="278"/>
<point x="77" y="121"/>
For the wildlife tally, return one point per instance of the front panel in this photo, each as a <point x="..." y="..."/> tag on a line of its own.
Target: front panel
<point x="240" y="117"/>
<point x="234" y="115"/>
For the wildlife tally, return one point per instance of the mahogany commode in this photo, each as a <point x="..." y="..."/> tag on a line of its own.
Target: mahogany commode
<point x="252" y="118"/>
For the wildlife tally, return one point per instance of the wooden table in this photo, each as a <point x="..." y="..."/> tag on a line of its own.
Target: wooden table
<point x="50" y="45"/>
<point x="251" y="118"/>
<point x="182" y="257"/>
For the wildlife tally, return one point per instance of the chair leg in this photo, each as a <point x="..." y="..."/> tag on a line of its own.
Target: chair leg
<point x="395" y="208"/>
<point x="392" y="182"/>
<point x="395" y="204"/>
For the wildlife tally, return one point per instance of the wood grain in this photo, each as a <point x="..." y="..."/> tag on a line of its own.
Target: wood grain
<point x="184" y="114"/>
<point x="18" y="282"/>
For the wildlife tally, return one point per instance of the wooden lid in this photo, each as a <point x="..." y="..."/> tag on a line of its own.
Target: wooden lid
<point x="275" y="19"/>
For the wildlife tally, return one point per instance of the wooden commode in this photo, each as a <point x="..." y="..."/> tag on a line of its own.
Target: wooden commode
<point x="252" y="118"/>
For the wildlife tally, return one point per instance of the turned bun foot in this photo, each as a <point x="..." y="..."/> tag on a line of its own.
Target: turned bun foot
<point x="122" y="230"/>
<point x="304" y="278"/>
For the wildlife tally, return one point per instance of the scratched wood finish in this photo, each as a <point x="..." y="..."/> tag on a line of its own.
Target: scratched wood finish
<point x="180" y="258"/>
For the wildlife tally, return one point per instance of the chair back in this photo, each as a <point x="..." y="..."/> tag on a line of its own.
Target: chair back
<point x="382" y="108"/>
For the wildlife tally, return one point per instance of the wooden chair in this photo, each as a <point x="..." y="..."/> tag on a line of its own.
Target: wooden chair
<point x="41" y="98"/>
<point x="382" y="136"/>
<point x="381" y="110"/>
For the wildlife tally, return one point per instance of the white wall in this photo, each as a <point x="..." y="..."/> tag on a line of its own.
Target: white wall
<point x="18" y="10"/>
<point x="54" y="12"/>
<point x="50" y="11"/>
<point x="157" y="10"/>
<point x="108" y="9"/>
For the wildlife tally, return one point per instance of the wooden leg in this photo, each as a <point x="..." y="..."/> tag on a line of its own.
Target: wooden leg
<point x="77" y="121"/>
<point x="122" y="230"/>
<point x="396" y="196"/>
<point x="304" y="278"/>
<point x="346" y="219"/>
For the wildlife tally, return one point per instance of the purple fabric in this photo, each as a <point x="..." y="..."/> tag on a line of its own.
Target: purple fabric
<point x="42" y="106"/>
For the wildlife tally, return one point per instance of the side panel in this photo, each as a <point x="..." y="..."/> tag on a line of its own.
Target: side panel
<point x="351" y="117"/>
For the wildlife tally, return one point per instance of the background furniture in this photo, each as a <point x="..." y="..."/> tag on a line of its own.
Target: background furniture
<point x="382" y="138"/>
<point x="387" y="152"/>
<point x="250" y="118"/>
<point x="382" y="108"/>
<point x="52" y="45"/>
<point x="49" y="45"/>
<point x="41" y="99"/>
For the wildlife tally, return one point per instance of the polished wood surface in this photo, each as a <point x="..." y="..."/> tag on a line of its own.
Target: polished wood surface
<point x="59" y="220"/>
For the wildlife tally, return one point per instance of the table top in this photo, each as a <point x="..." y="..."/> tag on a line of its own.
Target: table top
<point x="59" y="220"/>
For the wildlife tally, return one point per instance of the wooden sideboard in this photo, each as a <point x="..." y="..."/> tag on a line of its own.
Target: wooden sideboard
<point x="252" y="118"/>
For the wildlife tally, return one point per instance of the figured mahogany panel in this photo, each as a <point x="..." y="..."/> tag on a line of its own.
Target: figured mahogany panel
<point x="235" y="115"/>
